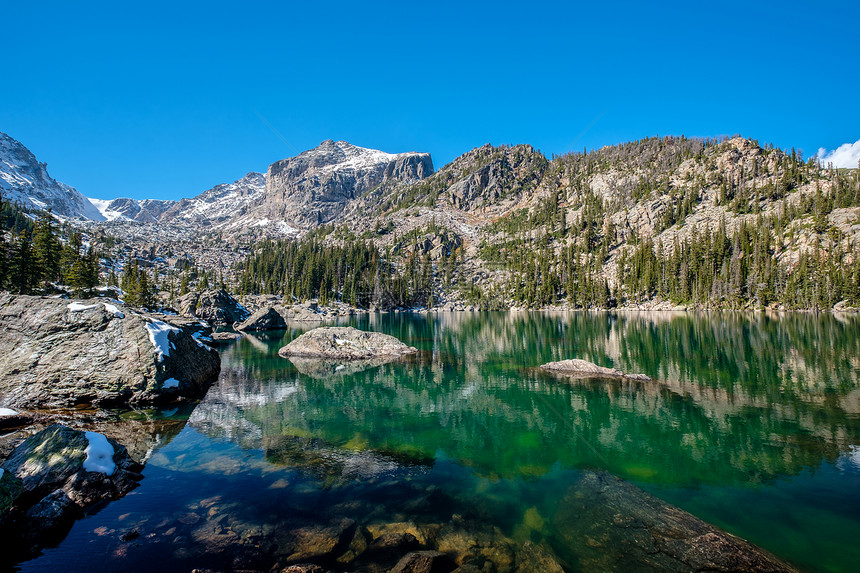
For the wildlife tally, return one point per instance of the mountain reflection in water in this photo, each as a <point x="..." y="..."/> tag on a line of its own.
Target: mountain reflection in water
<point x="752" y="423"/>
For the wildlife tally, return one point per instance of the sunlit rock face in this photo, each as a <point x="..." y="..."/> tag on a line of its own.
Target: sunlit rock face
<point x="54" y="352"/>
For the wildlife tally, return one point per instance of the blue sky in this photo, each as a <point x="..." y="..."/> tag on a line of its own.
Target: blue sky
<point x="165" y="100"/>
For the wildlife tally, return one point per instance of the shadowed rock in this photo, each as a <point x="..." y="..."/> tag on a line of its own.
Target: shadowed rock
<point x="264" y="319"/>
<point x="53" y="476"/>
<point x="345" y="343"/>
<point x="585" y="369"/>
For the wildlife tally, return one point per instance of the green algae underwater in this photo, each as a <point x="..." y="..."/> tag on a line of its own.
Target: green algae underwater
<point x="752" y="423"/>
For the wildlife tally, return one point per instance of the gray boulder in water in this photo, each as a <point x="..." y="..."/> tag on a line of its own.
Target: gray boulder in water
<point x="345" y="343"/>
<point x="54" y="352"/>
<point x="586" y="369"/>
<point x="264" y="319"/>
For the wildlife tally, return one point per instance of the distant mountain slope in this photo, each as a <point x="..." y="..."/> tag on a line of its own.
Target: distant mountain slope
<point x="316" y="186"/>
<point x="24" y="180"/>
<point x="140" y="210"/>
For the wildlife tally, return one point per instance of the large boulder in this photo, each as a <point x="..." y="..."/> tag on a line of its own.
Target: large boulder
<point x="264" y="319"/>
<point x="213" y="306"/>
<point x="53" y="476"/>
<point x="59" y="353"/>
<point x="345" y="343"/>
<point x="586" y="369"/>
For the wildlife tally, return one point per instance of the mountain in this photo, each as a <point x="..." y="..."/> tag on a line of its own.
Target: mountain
<point x="316" y="186"/>
<point x="24" y="180"/>
<point x="660" y="222"/>
<point x="295" y="195"/>
<point x="126" y="209"/>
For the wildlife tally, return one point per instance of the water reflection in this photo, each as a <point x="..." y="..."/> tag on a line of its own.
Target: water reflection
<point x="470" y="443"/>
<point x="739" y="398"/>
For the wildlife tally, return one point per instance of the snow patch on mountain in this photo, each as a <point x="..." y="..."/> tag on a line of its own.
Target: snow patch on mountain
<point x="103" y="205"/>
<point x="24" y="180"/>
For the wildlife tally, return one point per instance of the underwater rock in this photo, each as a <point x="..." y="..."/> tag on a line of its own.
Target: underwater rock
<point x="615" y="526"/>
<point x="424" y="562"/>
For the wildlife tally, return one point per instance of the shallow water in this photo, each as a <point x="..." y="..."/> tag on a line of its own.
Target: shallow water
<point x="752" y="424"/>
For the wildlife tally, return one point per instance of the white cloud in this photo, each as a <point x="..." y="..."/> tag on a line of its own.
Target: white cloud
<point x="846" y="155"/>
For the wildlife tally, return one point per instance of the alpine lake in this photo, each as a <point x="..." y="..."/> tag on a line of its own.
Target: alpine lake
<point x="752" y="423"/>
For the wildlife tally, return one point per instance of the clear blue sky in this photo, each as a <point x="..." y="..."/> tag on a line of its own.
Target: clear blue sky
<point x="163" y="99"/>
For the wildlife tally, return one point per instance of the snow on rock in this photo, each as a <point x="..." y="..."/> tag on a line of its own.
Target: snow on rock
<point x="99" y="454"/>
<point x="78" y="307"/>
<point x="5" y="412"/>
<point x="158" y="332"/>
<point x="114" y="310"/>
<point x="170" y="383"/>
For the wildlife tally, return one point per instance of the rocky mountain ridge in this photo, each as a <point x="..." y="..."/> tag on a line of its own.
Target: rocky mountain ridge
<point x="493" y="204"/>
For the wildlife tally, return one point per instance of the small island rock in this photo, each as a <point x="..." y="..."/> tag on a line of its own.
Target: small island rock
<point x="345" y="343"/>
<point x="586" y="369"/>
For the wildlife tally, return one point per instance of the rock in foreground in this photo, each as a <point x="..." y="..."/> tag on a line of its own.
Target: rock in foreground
<point x="585" y="369"/>
<point x="615" y="526"/>
<point x="53" y="476"/>
<point x="59" y="353"/>
<point x="345" y="343"/>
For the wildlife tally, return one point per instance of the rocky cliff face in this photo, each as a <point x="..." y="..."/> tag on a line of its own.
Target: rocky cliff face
<point x="54" y="352"/>
<point x="222" y="203"/>
<point x="316" y="186"/>
<point x="24" y="180"/>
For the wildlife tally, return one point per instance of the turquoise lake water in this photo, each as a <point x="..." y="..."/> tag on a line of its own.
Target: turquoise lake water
<point x="752" y="423"/>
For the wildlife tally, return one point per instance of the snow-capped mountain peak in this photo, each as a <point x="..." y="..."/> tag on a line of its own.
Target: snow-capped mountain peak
<point x="24" y="180"/>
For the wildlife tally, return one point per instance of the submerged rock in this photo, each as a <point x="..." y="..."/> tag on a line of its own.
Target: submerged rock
<point x="615" y="526"/>
<point x="424" y="562"/>
<point x="264" y="319"/>
<point x="586" y="369"/>
<point x="54" y="475"/>
<point x="345" y="343"/>
<point x="58" y="353"/>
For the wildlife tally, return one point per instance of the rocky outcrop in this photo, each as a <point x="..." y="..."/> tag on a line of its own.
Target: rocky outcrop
<point x="345" y="343"/>
<point x="216" y="307"/>
<point x="53" y="476"/>
<point x="264" y="319"/>
<point x="315" y="186"/>
<point x="58" y="353"/>
<point x="585" y="369"/>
